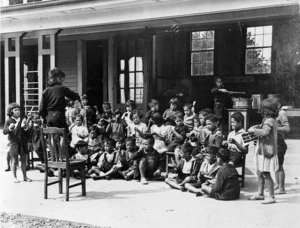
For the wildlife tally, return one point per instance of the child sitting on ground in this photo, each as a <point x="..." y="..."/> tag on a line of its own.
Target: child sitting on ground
<point x="129" y="160"/>
<point x="78" y="131"/>
<point x="138" y="129"/>
<point x="235" y="142"/>
<point x="95" y="146"/>
<point x="17" y="128"/>
<point x="188" y="119"/>
<point x="226" y="186"/>
<point x="187" y="168"/>
<point x="130" y="107"/>
<point x="150" y="162"/>
<point x="208" y="171"/>
<point x="170" y="113"/>
<point x="116" y="127"/>
<point x="106" y="167"/>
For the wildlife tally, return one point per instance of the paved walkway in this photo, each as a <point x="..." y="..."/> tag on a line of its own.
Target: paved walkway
<point x="118" y="203"/>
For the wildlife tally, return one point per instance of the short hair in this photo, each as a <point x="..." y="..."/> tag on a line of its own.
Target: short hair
<point x="106" y="104"/>
<point x="212" y="118"/>
<point x="218" y="77"/>
<point x="130" y="139"/>
<point x="153" y="102"/>
<point x="79" y="116"/>
<point x="212" y="150"/>
<point x="238" y="117"/>
<point x="188" y="105"/>
<point x="174" y="100"/>
<point x="11" y="107"/>
<point x="157" y="118"/>
<point x="179" y="115"/>
<point x="224" y="154"/>
<point x="205" y="112"/>
<point x="117" y="112"/>
<point x="56" y="73"/>
<point x="95" y="128"/>
<point x="84" y="97"/>
<point x="136" y="112"/>
<point x="187" y="148"/>
<point x="196" y="117"/>
<point x="150" y="138"/>
<point x="269" y="108"/>
<point x="130" y="103"/>
<point x="110" y="141"/>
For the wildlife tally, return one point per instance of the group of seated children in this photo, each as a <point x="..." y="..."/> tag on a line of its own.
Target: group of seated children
<point x="121" y="145"/>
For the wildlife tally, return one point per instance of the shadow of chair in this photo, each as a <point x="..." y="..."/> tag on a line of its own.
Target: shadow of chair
<point x="60" y="160"/>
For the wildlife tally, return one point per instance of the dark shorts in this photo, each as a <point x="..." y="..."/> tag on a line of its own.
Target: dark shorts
<point x="57" y="119"/>
<point x="180" y="177"/>
<point x="282" y="147"/>
<point x="197" y="184"/>
<point x="236" y="158"/>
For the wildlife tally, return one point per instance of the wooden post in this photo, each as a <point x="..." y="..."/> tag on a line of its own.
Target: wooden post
<point x="111" y="76"/>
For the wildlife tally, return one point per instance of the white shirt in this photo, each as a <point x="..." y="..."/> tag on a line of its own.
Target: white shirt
<point x="187" y="166"/>
<point x="238" y="137"/>
<point x="78" y="130"/>
<point x="142" y="128"/>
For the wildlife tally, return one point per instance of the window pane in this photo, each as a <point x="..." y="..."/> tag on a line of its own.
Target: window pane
<point x="259" y="30"/>
<point x="122" y="96"/>
<point x="259" y="41"/>
<point x="195" y="35"/>
<point x="131" y="79"/>
<point x="266" y="67"/>
<point x="249" y="68"/>
<point x="121" y="80"/>
<point x="131" y="64"/>
<point x="251" y="31"/>
<point x="209" y="68"/>
<point x="139" y="64"/>
<point x="268" y="29"/>
<point x="122" y="64"/>
<point x="210" y="56"/>
<point x="195" y="45"/>
<point x="195" y="69"/>
<point x="139" y="79"/>
<point x="139" y="96"/>
<point x="210" y="34"/>
<point x="268" y="40"/>
<point x="210" y="44"/>
<point x="195" y="57"/>
<point x="250" y="41"/>
<point x="249" y="55"/>
<point x="267" y="54"/>
<point x="131" y="94"/>
<point x="203" y="34"/>
<point x="257" y="67"/>
<point x="202" y="57"/>
<point x="202" y="69"/>
<point x="203" y="44"/>
<point x="257" y="54"/>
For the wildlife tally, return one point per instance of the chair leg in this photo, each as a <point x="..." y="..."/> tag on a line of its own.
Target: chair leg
<point x="243" y="176"/>
<point x="167" y="165"/>
<point x="83" y="180"/>
<point x="60" y="184"/>
<point x="67" y="184"/>
<point x="46" y="183"/>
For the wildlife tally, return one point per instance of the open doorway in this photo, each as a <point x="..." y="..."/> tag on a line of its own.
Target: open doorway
<point x="96" y="63"/>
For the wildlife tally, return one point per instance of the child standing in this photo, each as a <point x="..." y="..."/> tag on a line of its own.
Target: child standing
<point x="235" y="142"/>
<point x="226" y="186"/>
<point x="187" y="168"/>
<point x="266" y="150"/>
<point x="87" y="112"/>
<point x="78" y="131"/>
<point x="53" y="103"/>
<point x="116" y="127"/>
<point x="130" y="107"/>
<point x="17" y="128"/>
<point x="150" y="163"/>
<point x="138" y="129"/>
<point x="169" y="114"/>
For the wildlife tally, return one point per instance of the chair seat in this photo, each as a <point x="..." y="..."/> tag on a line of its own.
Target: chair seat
<point x="63" y="164"/>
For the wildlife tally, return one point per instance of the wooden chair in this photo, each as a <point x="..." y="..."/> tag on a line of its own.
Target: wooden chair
<point x="57" y="142"/>
<point x="242" y="165"/>
<point x="169" y="165"/>
<point x="32" y="159"/>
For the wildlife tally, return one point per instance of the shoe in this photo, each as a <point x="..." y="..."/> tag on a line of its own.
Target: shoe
<point x="183" y="189"/>
<point x="7" y="169"/>
<point x="199" y="194"/>
<point x="50" y="173"/>
<point x="279" y="192"/>
<point x="269" y="201"/>
<point x="127" y="178"/>
<point x="144" y="181"/>
<point x="256" y="197"/>
<point x="108" y="177"/>
<point x="97" y="178"/>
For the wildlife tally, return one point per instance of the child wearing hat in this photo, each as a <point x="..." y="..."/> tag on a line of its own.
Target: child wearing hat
<point x="17" y="129"/>
<point x="226" y="186"/>
<point x="53" y="102"/>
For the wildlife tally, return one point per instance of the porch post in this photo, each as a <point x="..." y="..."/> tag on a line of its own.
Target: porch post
<point x="111" y="71"/>
<point x="13" y="49"/>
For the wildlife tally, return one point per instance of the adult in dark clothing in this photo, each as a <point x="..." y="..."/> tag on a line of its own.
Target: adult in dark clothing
<point x="53" y="103"/>
<point x="226" y="186"/>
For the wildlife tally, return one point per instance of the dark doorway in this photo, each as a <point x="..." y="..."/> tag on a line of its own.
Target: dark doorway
<point x="96" y="62"/>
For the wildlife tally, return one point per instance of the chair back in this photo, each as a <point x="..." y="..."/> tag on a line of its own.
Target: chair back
<point x="56" y="140"/>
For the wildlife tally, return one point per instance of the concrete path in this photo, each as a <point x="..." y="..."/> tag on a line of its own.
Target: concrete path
<point x="117" y="203"/>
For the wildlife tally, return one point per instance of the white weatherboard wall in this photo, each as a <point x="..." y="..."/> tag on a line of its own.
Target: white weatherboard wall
<point x="67" y="61"/>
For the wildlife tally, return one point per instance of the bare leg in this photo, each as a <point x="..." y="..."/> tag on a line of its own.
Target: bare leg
<point x="280" y="180"/>
<point x="111" y="171"/>
<point x="142" y="168"/>
<point x="24" y="166"/>
<point x="177" y="156"/>
<point x="269" y="179"/>
<point x="8" y="160"/>
<point x="261" y="184"/>
<point x="172" y="183"/>
<point x="14" y="168"/>
<point x="206" y="189"/>
<point x="191" y="188"/>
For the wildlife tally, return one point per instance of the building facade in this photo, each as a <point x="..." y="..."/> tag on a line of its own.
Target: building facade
<point x="141" y="49"/>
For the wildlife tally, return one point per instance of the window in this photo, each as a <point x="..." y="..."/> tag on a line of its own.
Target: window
<point x="202" y="53"/>
<point x="130" y="71"/>
<point x="258" y="50"/>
